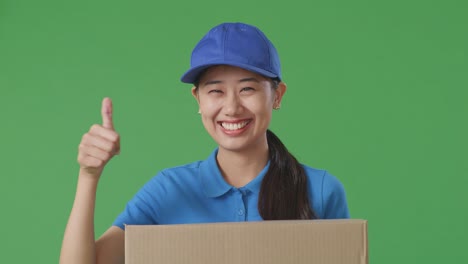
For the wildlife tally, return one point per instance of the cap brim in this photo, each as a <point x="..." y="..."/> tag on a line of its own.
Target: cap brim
<point x="191" y="75"/>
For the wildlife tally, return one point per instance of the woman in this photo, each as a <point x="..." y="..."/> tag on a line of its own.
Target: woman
<point x="251" y="176"/>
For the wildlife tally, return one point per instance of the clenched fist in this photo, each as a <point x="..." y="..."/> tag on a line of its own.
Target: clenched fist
<point x="99" y="145"/>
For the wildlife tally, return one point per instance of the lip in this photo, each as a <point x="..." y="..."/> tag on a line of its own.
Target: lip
<point x="238" y="131"/>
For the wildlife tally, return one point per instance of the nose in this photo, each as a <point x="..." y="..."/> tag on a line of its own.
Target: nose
<point x="232" y="105"/>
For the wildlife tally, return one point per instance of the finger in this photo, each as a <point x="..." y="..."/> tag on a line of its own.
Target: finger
<point x="106" y="112"/>
<point x="95" y="152"/>
<point x="110" y="135"/>
<point x="88" y="162"/>
<point x="97" y="141"/>
<point x="101" y="133"/>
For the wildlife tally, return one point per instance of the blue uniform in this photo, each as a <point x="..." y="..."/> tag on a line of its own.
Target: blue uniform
<point x="198" y="193"/>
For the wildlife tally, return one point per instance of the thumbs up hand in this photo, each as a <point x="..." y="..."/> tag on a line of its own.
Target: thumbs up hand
<point x="99" y="144"/>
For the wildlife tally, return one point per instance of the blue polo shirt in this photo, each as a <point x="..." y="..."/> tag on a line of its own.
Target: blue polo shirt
<point x="198" y="193"/>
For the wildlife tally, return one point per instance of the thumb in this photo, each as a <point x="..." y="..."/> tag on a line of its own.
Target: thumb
<point x="106" y="112"/>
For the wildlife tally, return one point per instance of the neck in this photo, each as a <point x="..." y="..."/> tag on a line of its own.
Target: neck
<point x="241" y="167"/>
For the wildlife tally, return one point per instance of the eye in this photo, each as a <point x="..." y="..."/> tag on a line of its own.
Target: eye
<point x="215" y="91"/>
<point x="246" y="89"/>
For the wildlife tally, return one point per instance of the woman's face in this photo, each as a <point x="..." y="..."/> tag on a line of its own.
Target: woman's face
<point x="236" y="106"/>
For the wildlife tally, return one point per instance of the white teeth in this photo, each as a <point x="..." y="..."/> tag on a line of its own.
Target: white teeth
<point x="234" y="126"/>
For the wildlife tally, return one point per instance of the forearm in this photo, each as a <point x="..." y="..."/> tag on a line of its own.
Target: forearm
<point x="78" y="245"/>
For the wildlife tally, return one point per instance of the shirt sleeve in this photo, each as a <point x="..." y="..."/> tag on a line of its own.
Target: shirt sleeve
<point x="142" y="208"/>
<point x="334" y="201"/>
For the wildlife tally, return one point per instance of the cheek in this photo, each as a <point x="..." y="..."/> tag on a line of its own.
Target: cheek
<point x="208" y="123"/>
<point x="206" y="104"/>
<point x="209" y="109"/>
<point x="261" y="107"/>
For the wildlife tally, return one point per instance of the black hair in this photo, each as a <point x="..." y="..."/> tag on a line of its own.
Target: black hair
<point x="283" y="192"/>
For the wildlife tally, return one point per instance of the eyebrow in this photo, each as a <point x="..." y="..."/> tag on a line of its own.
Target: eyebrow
<point x="211" y="82"/>
<point x="250" y="79"/>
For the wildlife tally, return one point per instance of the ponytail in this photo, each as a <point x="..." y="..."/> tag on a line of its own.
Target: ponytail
<point x="283" y="193"/>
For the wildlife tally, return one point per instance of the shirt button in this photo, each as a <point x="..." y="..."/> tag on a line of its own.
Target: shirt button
<point x="240" y="212"/>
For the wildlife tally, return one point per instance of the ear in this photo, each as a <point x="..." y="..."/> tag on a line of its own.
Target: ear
<point x="195" y="94"/>
<point x="279" y="92"/>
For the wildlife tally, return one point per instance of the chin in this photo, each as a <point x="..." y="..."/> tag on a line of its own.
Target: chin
<point x="232" y="146"/>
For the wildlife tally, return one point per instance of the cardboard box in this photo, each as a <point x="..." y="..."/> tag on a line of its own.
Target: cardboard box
<point x="272" y="242"/>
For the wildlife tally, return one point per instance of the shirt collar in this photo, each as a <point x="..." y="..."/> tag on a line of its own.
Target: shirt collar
<point x="213" y="181"/>
<point x="254" y="185"/>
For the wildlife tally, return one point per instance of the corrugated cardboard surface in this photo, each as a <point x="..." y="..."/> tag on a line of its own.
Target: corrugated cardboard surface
<point x="272" y="242"/>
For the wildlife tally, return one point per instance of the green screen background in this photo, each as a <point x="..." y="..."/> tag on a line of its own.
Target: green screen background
<point x="377" y="95"/>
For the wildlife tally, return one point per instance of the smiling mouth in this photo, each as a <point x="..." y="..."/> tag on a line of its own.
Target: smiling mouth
<point x="234" y="126"/>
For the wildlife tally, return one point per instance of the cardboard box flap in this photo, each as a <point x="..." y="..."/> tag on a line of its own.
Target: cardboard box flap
<point x="272" y="242"/>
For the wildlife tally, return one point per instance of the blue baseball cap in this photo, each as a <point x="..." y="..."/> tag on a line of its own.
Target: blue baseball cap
<point x="235" y="44"/>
